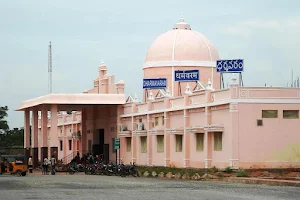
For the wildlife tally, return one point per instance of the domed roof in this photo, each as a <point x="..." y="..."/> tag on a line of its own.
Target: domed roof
<point x="181" y="46"/>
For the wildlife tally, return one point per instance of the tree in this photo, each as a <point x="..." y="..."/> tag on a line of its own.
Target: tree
<point x="3" y="123"/>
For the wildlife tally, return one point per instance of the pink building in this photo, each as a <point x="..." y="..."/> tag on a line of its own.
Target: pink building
<point x="187" y="124"/>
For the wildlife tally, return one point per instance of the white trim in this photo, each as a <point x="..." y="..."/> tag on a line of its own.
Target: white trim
<point x="205" y="43"/>
<point x="173" y="58"/>
<point x="215" y="103"/>
<point x="178" y="63"/>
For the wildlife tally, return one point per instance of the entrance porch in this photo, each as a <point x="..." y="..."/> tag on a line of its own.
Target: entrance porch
<point x="64" y="124"/>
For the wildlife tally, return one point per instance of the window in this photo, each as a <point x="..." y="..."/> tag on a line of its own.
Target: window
<point x="163" y="121"/>
<point x="70" y="144"/>
<point x="199" y="141"/>
<point x="143" y="144"/>
<point x="291" y="114"/>
<point x="156" y="121"/>
<point x="113" y="145"/>
<point x="269" y="113"/>
<point x="60" y="130"/>
<point x="217" y="141"/>
<point x="70" y="130"/>
<point x="160" y="143"/>
<point x="61" y="145"/>
<point x="140" y="120"/>
<point x="178" y="143"/>
<point x="128" y="144"/>
<point x="90" y="146"/>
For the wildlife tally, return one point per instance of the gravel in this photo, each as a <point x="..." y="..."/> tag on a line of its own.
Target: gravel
<point x="80" y="186"/>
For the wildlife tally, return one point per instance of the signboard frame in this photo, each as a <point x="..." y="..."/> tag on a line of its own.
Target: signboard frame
<point x="155" y="83"/>
<point x="187" y="75"/>
<point x="230" y="66"/>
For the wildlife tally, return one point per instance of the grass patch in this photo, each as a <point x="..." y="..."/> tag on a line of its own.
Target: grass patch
<point x="241" y="173"/>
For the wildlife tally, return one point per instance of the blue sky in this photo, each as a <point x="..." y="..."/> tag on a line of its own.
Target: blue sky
<point x="83" y="33"/>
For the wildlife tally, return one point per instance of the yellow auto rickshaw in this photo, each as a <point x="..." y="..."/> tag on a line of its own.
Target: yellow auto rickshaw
<point x="13" y="164"/>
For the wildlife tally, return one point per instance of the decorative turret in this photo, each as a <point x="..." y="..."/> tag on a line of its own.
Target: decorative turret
<point x="188" y="89"/>
<point x="135" y="98"/>
<point x="209" y="85"/>
<point x="150" y="97"/>
<point x="168" y="93"/>
<point x="182" y="25"/>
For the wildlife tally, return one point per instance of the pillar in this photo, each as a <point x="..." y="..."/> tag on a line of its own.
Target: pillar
<point x="83" y="131"/>
<point x="26" y="134"/>
<point x="34" y="138"/>
<point x="234" y="136"/>
<point x="44" y="134"/>
<point x="166" y="135"/>
<point x="149" y="137"/>
<point x="134" y="142"/>
<point x="208" y="135"/>
<point x="186" y="134"/>
<point x="53" y="132"/>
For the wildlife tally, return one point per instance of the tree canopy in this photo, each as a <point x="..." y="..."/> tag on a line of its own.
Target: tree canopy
<point x="3" y="123"/>
<point x="9" y="138"/>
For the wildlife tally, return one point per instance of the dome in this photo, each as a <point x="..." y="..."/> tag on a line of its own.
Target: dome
<point x="181" y="46"/>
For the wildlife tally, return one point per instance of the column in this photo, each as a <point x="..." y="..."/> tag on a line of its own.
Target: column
<point x="149" y="137"/>
<point x="234" y="136"/>
<point x="208" y="135"/>
<point x="208" y="149"/>
<point x="44" y="134"/>
<point x="26" y="134"/>
<point x="53" y="132"/>
<point x="34" y="138"/>
<point x="166" y="135"/>
<point x="83" y="131"/>
<point x="134" y="141"/>
<point x="186" y="134"/>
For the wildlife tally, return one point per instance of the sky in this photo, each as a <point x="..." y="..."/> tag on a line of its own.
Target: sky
<point x="84" y="33"/>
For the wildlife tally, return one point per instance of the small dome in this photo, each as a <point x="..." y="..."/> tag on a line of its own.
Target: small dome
<point x="181" y="44"/>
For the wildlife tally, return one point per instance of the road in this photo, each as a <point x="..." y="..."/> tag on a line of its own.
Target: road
<point x="106" y="188"/>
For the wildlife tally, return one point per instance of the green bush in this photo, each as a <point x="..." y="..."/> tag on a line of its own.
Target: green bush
<point x="241" y="173"/>
<point x="228" y="170"/>
<point x="214" y="169"/>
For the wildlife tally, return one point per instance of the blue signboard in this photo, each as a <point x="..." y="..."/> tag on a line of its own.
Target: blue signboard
<point x="155" y="83"/>
<point x="230" y="66"/>
<point x="186" y="75"/>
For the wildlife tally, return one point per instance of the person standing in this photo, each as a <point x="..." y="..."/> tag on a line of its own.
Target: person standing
<point x="30" y="164"/>
<point x="45" y="166"/>
<point x="53" y="164"/>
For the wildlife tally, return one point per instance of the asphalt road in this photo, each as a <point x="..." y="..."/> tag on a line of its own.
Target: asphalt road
<point x="106" y="188"/>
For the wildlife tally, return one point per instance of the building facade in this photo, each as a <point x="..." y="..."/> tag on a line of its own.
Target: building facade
<point x="188" y="124"/>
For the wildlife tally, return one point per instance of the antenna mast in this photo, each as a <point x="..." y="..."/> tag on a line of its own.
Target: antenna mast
<point x="49" y="69"/>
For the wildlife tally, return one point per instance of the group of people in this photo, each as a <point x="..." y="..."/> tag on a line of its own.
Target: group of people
<point x="86" y="159"/>
<point x="49" y="164"/>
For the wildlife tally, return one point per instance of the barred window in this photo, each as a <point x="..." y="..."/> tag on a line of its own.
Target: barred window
<point x="178" y="143"/>
<point x="199" y="141"/>
<point x="269" y="113"/>
<point x="217" y="141"/>
<point x="143" y="144"/>
<point x="291" y="114"/>
<point x="160" y="143"/>
<point x="156" y="121"/>
<point x="128" y="144"/>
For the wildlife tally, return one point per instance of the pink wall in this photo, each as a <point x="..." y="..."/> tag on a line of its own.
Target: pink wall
<point x="275" y="143"/>
<point x="176" y="121"/>
<point x="141" y="157"/>
<point x="197" y="158"/>
<point x="176" y="158"/>
<point x="197" y="119"/>
<point x="157" y="157"/>
<point x="221" y="158"/>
